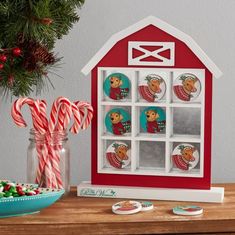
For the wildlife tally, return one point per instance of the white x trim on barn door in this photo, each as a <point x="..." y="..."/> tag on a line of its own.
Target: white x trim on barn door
<point x="156" y="58"/>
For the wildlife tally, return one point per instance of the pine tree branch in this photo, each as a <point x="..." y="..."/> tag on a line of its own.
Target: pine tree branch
<point x="24" y="23"/>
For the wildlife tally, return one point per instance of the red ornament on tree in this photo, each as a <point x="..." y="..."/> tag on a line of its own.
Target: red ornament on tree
<point x="1" y="66"/>
<point x="16" y="51"/>
<point x="3" y="58"/>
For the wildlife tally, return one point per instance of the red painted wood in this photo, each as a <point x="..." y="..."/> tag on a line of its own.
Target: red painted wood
<point x="184" y="58"/>
<point x="94" y="149"/>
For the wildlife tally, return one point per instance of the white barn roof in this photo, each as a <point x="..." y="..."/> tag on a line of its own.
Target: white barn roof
<point x="151" y="20"/>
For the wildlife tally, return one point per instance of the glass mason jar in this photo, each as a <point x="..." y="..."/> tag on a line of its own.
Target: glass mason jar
<point x="48" y="160"/>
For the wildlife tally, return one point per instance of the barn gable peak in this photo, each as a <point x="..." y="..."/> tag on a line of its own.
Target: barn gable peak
<point x="152" y="20"/>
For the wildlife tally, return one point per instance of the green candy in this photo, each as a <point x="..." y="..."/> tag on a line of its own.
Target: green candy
<point x="3" y="183"/>
<point x="2" y="194"/>
<point x="8" y="194"/>
<point x="13" y="189"/>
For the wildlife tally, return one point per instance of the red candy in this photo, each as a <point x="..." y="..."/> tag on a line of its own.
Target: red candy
<point x="21" y="193"/>
<point x="30" y="193"/>
<point x="36" y="191"/>
<point x="19" y="190"/>
<point x="7" y="187"/>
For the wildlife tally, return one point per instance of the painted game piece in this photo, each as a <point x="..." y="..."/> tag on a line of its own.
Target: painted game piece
<point x="126" y="207"/>
<point x="187" y="210"/>
<point x="187" y="87"/>
<point x="118" y="155"/>
<point x="146" y="205"/>
<point x="185" y="157"/>
<point x="117" y="86"/>
<point x="118" y="121"/>
<point x="153" y="120"/>
<point x="153" y="89"/>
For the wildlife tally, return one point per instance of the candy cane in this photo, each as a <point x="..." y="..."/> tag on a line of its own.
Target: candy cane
<point x="44" y="165"/>
<point x="35" y="112"/>
<point x="43" y="107"/>
<point x="54" y="113"/>
<point x="61" y="109"/>
<point x="42" y="150"/>
<point x="86" y="112"/>
<point x="77" y="119"/>
<point x="42" y="157"/>
<point x="45" y="169"/>
<point x="53" y="154"/>
<point x="64" y="116"/>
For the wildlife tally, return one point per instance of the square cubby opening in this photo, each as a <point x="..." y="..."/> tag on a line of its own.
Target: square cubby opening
<point x="116" y="85"/>
<point x="188" y="86"/>
<point x="117" y="120"/>
<point x="186" y="121"/>
<point x="152" y="86"/>
<point x="151" y="156"/>
<point x="151" y="121"/>
<point x="185" y="158"/>
<point x="116" y="155"/>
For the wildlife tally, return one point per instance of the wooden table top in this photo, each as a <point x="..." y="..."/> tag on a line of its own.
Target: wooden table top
<point x="75" y="215"/>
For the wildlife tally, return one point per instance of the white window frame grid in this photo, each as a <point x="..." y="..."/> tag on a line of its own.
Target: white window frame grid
<point x="169" y="138"/>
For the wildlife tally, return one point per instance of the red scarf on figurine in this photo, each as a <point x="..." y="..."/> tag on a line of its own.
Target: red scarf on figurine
<point x="180" y="162"/>
<point x="181" y="93"/>
<point x="146" y="93"/>
<point x="118" y="129"/>
<point x="152" y="127"/>
<point x="115" y="93"/>
<point x="114" y="160"/>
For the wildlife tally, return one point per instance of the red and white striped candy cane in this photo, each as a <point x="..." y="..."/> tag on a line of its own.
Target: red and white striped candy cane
<point x="43" y="108"/>
<point x="44" y="166"/>
<point x="35" y="112"/>
<point x="64" y="116"/>
<point x="86" y="112"/>
<point x="54" y="157"/>
<point x="55" y="114"/>
<point x="77" y="119"/>
<point x="42" y="149"/>
<point x="61" y="110"/>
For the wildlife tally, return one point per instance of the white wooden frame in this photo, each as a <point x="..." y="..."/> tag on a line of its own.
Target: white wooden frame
<point x="168" y="138"/>
<point x="214" y="194"/>
<point x="164" y="46"/>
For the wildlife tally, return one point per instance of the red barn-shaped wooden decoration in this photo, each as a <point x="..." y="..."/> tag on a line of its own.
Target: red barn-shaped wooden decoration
<point x="152" y="99"/>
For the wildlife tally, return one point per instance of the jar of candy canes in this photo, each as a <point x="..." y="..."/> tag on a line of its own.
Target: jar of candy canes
<point x="48" y="159"/>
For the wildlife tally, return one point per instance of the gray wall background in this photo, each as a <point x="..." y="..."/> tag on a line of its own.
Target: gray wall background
<point x="211" y="23"/>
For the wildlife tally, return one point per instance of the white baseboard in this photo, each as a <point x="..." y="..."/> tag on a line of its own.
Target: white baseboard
<point x="86" y="189"/>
